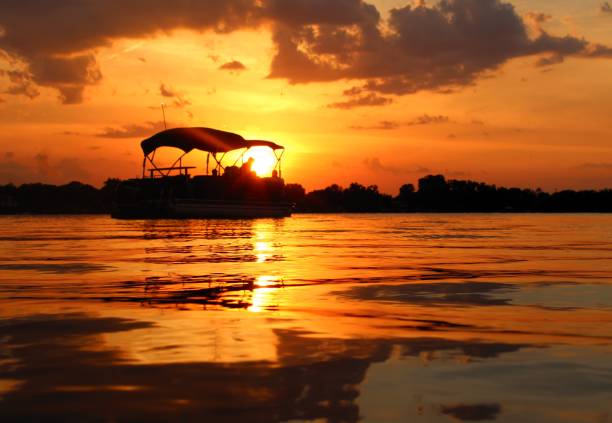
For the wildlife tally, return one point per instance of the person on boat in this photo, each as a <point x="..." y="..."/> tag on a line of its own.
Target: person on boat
<point x="247" y="167"/>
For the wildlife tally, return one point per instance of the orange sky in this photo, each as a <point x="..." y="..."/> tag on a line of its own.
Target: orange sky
<point x="356" y="91"/>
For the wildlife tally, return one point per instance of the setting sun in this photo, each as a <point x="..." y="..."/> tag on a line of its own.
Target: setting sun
<point x="264" y="160"/>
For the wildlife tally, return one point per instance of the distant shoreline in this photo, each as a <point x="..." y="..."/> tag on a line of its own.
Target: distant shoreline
<point x="434" y="194"/>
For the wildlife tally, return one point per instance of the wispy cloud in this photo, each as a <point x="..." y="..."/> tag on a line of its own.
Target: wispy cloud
<point x="178" y="98"/>
<point x="428" y="120"/>
<point x="370" y="99"/>
<point x="601" y="165"/>
<point x="234" y="66"/>
<point x="424" y="119"/>
<point x="131" y="131"/>
<point x="375" y="165"/>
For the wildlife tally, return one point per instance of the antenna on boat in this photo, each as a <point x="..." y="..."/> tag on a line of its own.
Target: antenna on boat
<point x="164" y="115"/>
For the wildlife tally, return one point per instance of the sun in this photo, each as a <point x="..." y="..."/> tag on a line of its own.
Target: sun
<point x="264" y="160"/>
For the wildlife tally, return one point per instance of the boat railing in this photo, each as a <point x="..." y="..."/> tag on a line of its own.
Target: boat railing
<point x="183" y="170"/>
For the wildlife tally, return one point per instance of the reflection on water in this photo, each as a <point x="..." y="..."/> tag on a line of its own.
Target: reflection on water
<point x="434" y="318"/>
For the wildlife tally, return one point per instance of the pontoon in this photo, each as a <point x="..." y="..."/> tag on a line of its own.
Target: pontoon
<point x="223" y="191"/>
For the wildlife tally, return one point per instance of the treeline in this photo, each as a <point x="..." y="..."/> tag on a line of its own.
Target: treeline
<point x="436" y="194"/>
<point x="433" y="194"/>
<point x="72" y="198"/>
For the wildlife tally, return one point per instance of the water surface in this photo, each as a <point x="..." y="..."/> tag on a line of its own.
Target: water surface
<point x="338" y="318"/>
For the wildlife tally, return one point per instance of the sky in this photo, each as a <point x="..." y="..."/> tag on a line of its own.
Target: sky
<point x="513" y="93"/>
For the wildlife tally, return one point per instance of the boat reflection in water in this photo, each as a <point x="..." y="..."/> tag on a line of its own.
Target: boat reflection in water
<point x="335" y="318"/>
<point x="226" y="191"/>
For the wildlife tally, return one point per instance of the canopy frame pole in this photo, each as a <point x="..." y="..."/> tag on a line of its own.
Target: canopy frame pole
<point x="179" y="160"/>
<point x="278" y="162"/>
<point x="207" y="160"/>
<point x="219" y="165"/>
<point x="154" y="166"/>
<point x="241" y="156"/>
<point x="144" y="165"/>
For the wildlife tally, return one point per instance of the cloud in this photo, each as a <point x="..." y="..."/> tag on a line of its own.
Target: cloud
<point x="607" y="166"/>
<point x="361" y="100"/>
<point x="606" y="8"/>
<point x="179" y="100"/>
<point x="132" y="130"/>
<point x="9" y="155"/>
<point x="56" y="43"/>
<point x="472" y="412"/>
<point x="64" y="169"/>
<point x="442" y="47"/>
<point x="424" y="119"/>
<point x="234" y="66"/>
<point x="555" y="59"/>
<point x="42" y="165"/>
<point x="166" y="91"/>
<point x="15" y="173"/>
<point x="20" y="83"/>
<point x="383" y="125"/>
<point x="535" y="20"/>
<point x="375" y="165"/>
<point x="69" y="75"/>
<point x="429" y="120"/>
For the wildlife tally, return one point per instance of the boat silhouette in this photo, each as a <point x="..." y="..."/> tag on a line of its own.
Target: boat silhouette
<point x="222" y="192"/>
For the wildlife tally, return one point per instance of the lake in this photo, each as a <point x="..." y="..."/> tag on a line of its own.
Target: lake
<point x="326" y="318"/>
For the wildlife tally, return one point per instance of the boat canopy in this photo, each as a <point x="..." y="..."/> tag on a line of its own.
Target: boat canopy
<point x="205" y="139"/>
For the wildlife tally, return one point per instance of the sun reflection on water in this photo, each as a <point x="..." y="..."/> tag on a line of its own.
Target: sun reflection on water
<point x="265" y="293"/>
<point x="262" y="251"/>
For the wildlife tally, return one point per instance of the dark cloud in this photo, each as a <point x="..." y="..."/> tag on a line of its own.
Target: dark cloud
<point x="234" y="66"/>
<point x="535" y="20"/>
<point x="555" y="59"/>
<point x="132" y="130"/>
<point x="53" y="43"/>
<point x="68" y="74"/>
<point x="441" y="47"/>
<point x="606" y="8"/>
<point x="472" y="412"/>
<point x="20" y="83"/>
<point x="9" y="155"/>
